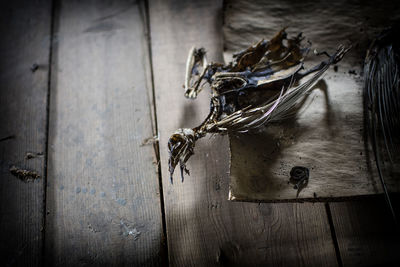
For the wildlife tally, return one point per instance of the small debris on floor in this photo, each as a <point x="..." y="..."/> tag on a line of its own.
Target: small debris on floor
<point x="24" y="175"/>
<point x="217" y="186"/>
<point x="299" y="176"/>
<point x="150" y="140"/>
<point x="34" y="67"/>
<point x="353" y="72"/>
<point x="128" y="230"/>
<point x="92" y="229"/>
<point x="32" y="155"/>
<point x="29" y="155"/>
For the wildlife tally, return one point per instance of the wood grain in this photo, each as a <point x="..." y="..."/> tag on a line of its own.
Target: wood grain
<point x="25" y="34"/>
<point x="203" y="227"/>
<point x="103" y="194"/>
<point x="327" y="135"/>
<point x="365" y="233"/>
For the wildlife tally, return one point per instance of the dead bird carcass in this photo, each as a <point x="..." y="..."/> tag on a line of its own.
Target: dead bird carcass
<point x="261" y="85"/>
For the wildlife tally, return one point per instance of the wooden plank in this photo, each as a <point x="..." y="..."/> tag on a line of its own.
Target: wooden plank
<point x="103" y="191"/>
<point x="203" y="227"/>
<point x="365" y="232"/>
<point x="327" y="135"/>
<point x="25" y="34"/>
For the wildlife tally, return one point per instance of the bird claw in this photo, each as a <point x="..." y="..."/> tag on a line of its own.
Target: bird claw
<point x="180" y="146"/>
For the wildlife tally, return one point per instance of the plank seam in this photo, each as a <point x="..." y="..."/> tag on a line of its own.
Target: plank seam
<point x="156" y="146"/>
<point x="52" y="15"/>
<point x="333" y="234"/>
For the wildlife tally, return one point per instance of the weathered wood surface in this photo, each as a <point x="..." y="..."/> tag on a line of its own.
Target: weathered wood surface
<point x="327" y="135"/>
<point x="103" y="203"/>
<point x="203" y="227"/>
<point x="25" y="34"/>
<point x="365" y="233"/>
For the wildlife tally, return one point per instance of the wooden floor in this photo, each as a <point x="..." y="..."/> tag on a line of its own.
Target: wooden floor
<point x="83" y="85"/>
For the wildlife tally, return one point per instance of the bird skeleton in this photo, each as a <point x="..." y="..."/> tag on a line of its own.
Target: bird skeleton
<point x="261" y="85"/>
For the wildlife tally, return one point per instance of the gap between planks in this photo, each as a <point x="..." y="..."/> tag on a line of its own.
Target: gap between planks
<point x="156" y="144"/>
<point x="53" y="16"/>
